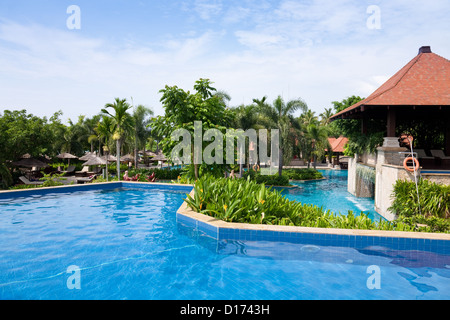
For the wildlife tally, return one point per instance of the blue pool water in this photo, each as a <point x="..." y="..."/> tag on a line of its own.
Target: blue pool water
<point x="332" y="194"/>
<point x="127" y="244"/>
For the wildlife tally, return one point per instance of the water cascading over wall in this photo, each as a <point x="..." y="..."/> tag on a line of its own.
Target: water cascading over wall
<point x="365" y="181"/>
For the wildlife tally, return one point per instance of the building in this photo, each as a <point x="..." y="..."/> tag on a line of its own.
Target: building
<point x="419" y="93"/>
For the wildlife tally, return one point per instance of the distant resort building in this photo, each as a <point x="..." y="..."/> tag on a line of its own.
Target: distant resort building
<point x="337" y="148"/>
<point x="417" y="96"/>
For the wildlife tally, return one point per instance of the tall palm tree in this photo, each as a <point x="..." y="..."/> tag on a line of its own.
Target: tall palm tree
<point x="141" y="131"/>
<point x="280" y="115"/>
<point x="326" y="116"/>
<point x="123" y="124"/>
<point x="105" y="130"/>
<point x="89" y="125"/>
<point x="319" y="138"/>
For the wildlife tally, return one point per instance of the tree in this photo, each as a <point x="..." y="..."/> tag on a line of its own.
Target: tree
<point x="21" y="133"/>
<point x="123" y="124"/>
<point x="183" y="108"/>
<point x="105" y="131"/>
<point x="326" y="116"/>
<point x="279" y="114"/>
<point x="319" y="139"/>
<point x="141" y="132"/>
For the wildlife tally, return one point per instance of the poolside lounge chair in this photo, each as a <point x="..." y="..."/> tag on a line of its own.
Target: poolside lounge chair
<point x="70" y="169"/>
<point x="439" y="154"/>
<point x="86" y="180"/>
<point x="422" y="155"/>
<point x="24" y="180"/>
<point x="84" y="172"/>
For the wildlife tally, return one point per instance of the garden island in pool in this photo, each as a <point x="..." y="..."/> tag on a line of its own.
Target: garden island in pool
<point x="140" y="241"/>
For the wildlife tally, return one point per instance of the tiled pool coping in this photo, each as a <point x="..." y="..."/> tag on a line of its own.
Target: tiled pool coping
<point x="221" y="230"/>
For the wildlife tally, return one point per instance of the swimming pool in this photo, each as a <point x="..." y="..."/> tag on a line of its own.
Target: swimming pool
<point x="125" y="242"/>
<point x="332" y="194"/>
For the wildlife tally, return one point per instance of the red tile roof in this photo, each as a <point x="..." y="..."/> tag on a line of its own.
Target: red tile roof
<point x="424" y="81"/>
<point x="337" y="145"/>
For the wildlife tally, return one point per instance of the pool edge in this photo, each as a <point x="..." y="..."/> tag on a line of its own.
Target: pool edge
<point x="356" y="238"/>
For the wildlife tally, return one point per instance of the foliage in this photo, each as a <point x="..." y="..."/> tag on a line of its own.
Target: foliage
<point x="434" y="199"/>
<point x="420" y="223"/>
<point x="160" y="174"/>
<point x="302" y="174"/>
<point x="279" y="116"/>
<point x="246" y="201"/>
<point x="183" y="108"/>
<point x="123" y="124"/>
<point x="270" y="180"/>
<point x="52" y="180"/>
<point x="351" y="128"/>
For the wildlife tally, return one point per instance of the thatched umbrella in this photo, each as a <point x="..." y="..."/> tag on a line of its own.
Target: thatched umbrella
<point x="66" y="156"/>
<point x="159" y="157"/>
<point x="95" y="161"/>
<point x="88" y="156"/>
<point x="110" y="158"/>
<point x="30" y="163"/>
<point x="127" y="158"/>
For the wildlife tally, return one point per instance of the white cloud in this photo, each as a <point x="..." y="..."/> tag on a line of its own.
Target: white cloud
<point x="318" y="50"/>
<point x="207" y="9"/>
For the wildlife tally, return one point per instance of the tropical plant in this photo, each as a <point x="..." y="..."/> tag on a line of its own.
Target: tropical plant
<point x="319" y="140"/>
<point x="123" y="124"/>
<point x="183" y="108"/>
<point x="245" y="201"/>
<point x="279" y="116"/>
<point x="141" y="131"/>
<point x="433" y="199"/>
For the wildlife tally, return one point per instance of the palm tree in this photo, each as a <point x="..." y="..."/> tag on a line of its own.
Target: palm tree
<point x="141" y="131"/>
<point x="280" y="115"/>
<point x="246" y="117"/>
<point x="319" y="138"/>
<point x="123" y="123"/>
<point x="89" y="125"/>
<point x="326" y="116"/>
<point x="105" y="130"/>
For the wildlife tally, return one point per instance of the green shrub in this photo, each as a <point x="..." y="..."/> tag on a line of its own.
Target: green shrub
<point x="52" y="180"/>
<point x="246" y="201"/>
<point x="302" y="174"/>
<point x="434" y="199"/>
<point x="270" y="180"/>
<point x="161" y="174"/>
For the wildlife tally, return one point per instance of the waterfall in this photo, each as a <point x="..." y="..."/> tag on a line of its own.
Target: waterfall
<point x="365" y="180"/>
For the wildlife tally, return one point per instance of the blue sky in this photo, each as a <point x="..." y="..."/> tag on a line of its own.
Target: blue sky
<point x="320" y="51"/>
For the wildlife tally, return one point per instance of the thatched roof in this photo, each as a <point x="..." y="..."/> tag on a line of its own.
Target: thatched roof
<point x="30" y="163"/>
<point x="66" y="156"/>
<point x="95" y="161"/>
<point x="88" y="156"/>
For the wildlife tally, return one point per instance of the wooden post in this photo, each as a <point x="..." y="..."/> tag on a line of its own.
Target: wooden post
<point x="391" y="119"/>
<point x="364" y="125"/>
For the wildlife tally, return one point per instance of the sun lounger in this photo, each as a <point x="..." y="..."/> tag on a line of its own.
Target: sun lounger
<point x="422" y="155"/>
<point x="84" y="172"/>
<point x="86" y="180"/>
<point x="439" y="154"/>
<point x="24" y="180"/>
<point x="70" y="169"/>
